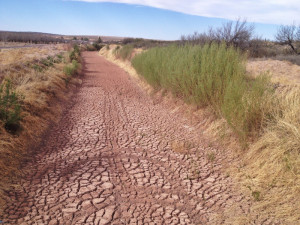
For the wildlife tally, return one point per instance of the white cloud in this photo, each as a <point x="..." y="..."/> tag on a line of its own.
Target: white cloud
<point x="262" y="11"/>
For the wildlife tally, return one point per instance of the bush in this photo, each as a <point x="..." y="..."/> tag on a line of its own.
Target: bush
<point x="75" y="53"/>
<point x="10" y="107"/>
<point x="212" y="75"/>
<point x="259" y="48"/>
<point x="238" y="34"/>
<point x="71" y="69"/>
<point x="98" y="46"/>
<point x="94" y="47"/>
<point x="49" y="61"/>
<point x="59" y="58"/>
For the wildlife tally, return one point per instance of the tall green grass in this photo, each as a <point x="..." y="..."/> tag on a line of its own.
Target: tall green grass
<point x="124" y="52"/>
<point x="210" y="75"/>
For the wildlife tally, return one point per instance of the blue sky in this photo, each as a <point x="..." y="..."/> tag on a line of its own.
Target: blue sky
<point x="157" y="19"/>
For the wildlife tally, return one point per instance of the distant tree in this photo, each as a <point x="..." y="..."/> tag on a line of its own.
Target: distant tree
<point x="289" y="35"/>
<point x="298" y="34"/>
<point x="86" y="39"/>
<point x="99" y="41"/>
<point x="74" y="38"/>
<point x="238" y="34"/>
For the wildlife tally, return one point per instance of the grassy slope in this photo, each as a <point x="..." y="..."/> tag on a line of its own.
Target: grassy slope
<point x="42" y="86"/>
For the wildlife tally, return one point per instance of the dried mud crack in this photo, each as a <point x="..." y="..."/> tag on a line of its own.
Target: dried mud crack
<point x="113" y="159"/>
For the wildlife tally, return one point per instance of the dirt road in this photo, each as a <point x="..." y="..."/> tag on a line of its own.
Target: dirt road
<point x="113" y="159"/>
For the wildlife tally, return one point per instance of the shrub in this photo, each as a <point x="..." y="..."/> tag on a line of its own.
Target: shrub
<point x="238" y="34"/>
<point x="72" y="55"/>
<point x="289" y="35"/>
<point x="75" y="53"/>
<point x="99" y="41"/>
<point x="98" y="46"/>
<point x="94" y="47"/>
<point x="71" y="69"/>
<point x="212" y="75"/>
<point x="10" y="107"/>
<point x="59" y="58"/>
<point x="37" y="68"/>
<point x="48" y="61"/>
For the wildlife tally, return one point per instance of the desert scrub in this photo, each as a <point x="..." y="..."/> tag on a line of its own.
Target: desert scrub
<point x="10" y="107"/>
<point x="124" y="52"/>
<point x="210" y="75"/>
<point x="71" y="69"/>
<point x="48" y="62"/>
<point x="75" y="53"/>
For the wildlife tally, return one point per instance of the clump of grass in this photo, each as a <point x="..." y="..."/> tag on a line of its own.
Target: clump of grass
<point x="37" y="68"/>
<point x="124" y="52"/>
<point x="211" y="156"/>
<point x="94" y="47"/>
<point x="70" y="70"/>
<point x="45" y="63"/>
<point x="10" y="107"/>
<point x="210" y="75"/>
<point x="60" y="58"/>
<point x="75" y="53"/>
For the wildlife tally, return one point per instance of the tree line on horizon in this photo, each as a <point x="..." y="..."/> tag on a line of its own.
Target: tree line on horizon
<point x="241" y="34"/>
<point x="30" y="37"/>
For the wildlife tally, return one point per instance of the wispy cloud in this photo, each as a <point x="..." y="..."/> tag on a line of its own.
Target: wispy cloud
<point x="262" y="11"/>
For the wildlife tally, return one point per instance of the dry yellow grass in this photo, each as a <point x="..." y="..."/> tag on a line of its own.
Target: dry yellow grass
<point x="41" y="93"/>
<point x="20" y="55"/>
<point x="10" y="44"/>
<point x="281" y="71"/>
<point x="269" y="170"/>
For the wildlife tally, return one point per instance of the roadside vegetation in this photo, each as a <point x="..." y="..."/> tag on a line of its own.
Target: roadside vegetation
<point x="262" y="115"/>
<point x="259" y="115"/>
<point x="212" y="75"/>
<point x="29" y="92"/>
<point x="124" y="52"/>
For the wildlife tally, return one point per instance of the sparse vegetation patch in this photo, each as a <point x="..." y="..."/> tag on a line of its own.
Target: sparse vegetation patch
<point x="10" y="107"/>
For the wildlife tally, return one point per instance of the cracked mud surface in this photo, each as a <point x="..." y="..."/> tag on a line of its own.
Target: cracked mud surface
<point x="115" y="159"/>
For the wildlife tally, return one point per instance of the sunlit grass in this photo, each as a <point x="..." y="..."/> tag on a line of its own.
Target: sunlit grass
<point x="214" y="76"/>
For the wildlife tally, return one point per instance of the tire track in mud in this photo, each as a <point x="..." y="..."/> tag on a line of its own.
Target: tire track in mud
<point x="111" y="160"/>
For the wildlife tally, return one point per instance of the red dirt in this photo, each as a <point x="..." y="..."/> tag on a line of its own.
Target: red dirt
<point x="113" y="159"/>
